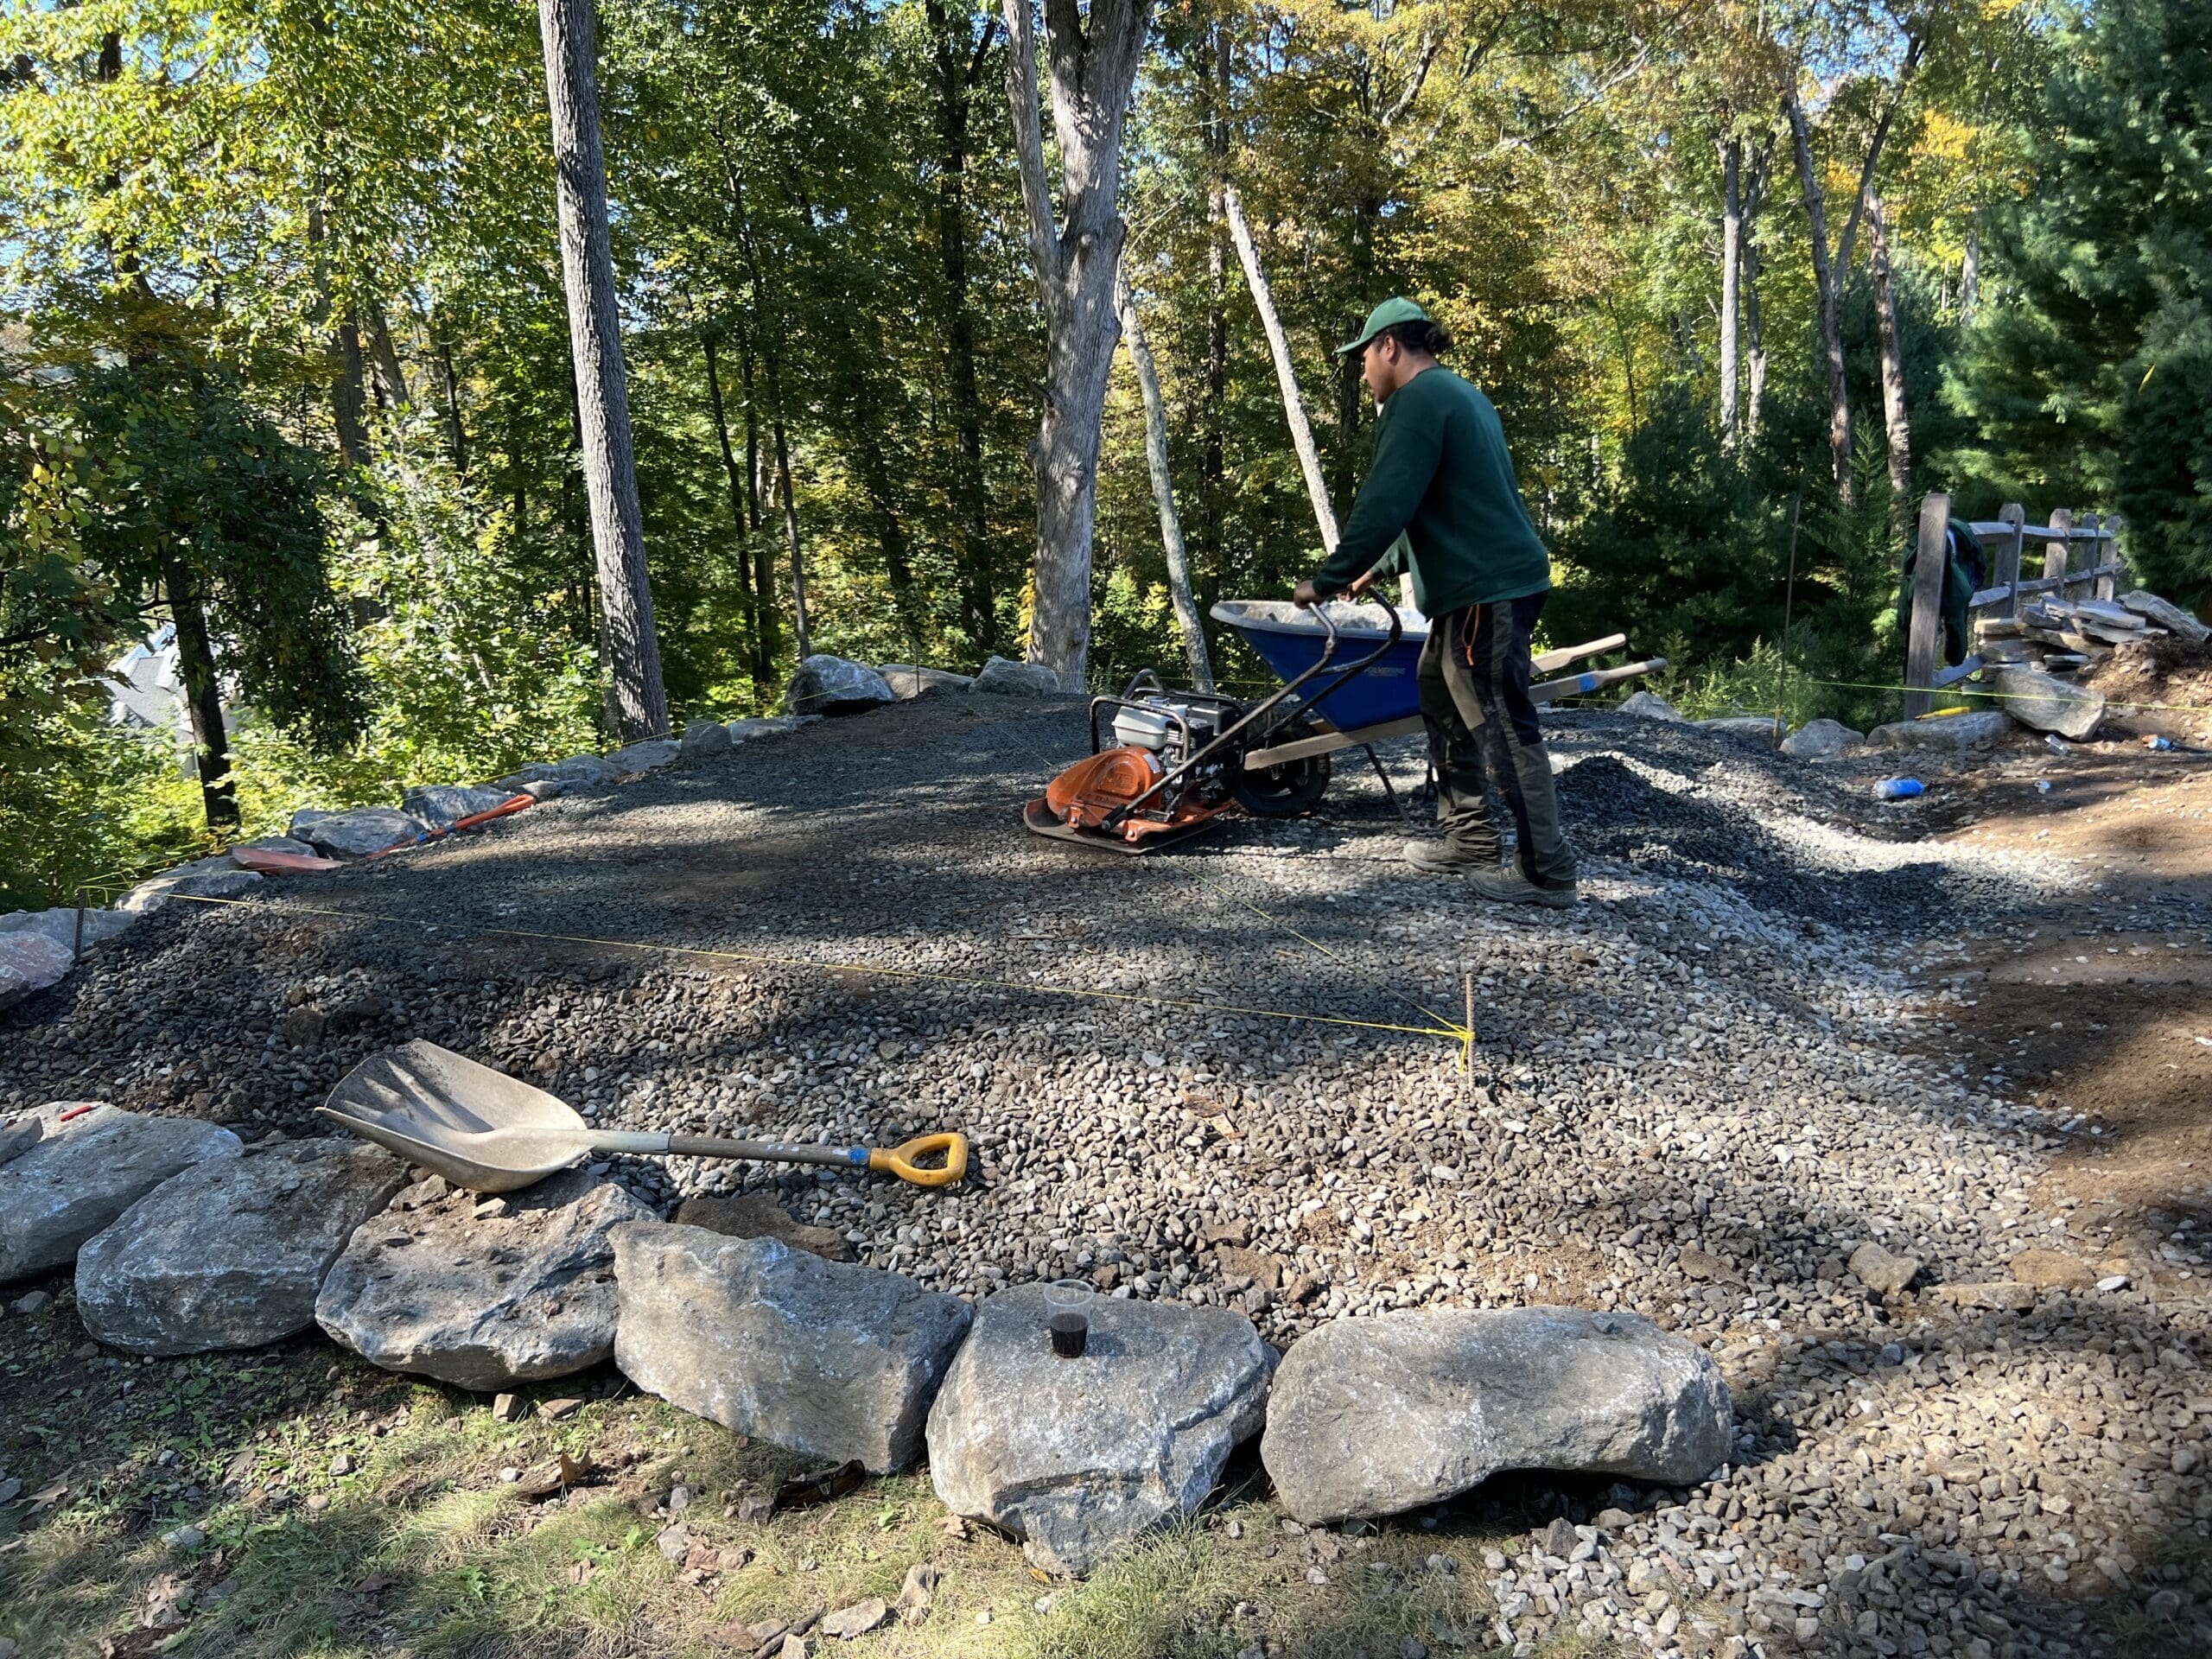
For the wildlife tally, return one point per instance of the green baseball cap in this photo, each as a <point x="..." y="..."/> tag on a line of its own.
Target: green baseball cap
<point x="1389" y="314"/>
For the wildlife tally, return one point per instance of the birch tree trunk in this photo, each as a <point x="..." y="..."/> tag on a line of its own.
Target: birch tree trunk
<point x="1830" y="303"/>
<point x="1294" y="406"/>
<point x="1731" y="264"/>
<point x="1970" y="272"/>
<point x="637" y="704"/>
<point x="1897" y="425"/>
<point x="1163" y="490"/>
<point x="1094" y="53"/>
<point x="736" y="483"/>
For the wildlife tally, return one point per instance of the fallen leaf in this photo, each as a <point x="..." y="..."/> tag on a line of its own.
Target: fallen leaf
<point x="48" y="1498"/>
<point x="1041" y="1575"/>
<point x="580" y="1572"/>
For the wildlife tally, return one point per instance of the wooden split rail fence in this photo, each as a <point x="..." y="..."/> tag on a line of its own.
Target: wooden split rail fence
<point x="2077" y="559"/>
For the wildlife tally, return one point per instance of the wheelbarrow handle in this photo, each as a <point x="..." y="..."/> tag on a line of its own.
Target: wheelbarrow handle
<point x="899" y="1160"/>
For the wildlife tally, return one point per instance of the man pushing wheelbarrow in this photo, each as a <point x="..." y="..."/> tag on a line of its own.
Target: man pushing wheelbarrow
<point x="1442" y="480"/>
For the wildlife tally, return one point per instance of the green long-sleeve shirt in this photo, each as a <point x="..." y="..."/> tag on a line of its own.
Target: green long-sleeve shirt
<point x="1441" y="478"/>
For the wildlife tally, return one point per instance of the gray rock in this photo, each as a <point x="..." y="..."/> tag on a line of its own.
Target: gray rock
<point x="2167" y="615"/>
<point x="1946" y="734"/>
<point x="537" y="772"/>
<point x="28" y="963"/>
<point x="1373" y="1416"/>
<point x="824" y="685"/>
<point x="829" y="1361"/>
<point x="1762" y="728"/>
<point x="542" y="789"/>
<point x="1820" y="739"/>
<point x="907" y="682"/>
<point x="703" y="739"/>
<point x="744" y="731"/>
<point x="273" y="844"/>
<point x="355" y="833"/>
<point x="1650" y="705"/>
<point x="651" y="755"/>
<point x="1076" y="1457"/>
<point x="80" y="1175"/>
<point x="441" y="806"/>
<point x="60" y="925"/>
<point x="1013" y="679"/>
<point x="231" y="1252"/>
<point x="218" y="877"/>
<point x="847" y="1623"/>
<point x="1992" y="1296"/>
<point x="585" y="772"/>
<point x="1881" y="1270"/>
<point x="755" y="1215"/>
<point x="484" y="1305"/>
<point x="2048" y="704"/>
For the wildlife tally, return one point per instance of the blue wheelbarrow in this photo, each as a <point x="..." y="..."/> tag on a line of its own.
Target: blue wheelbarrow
<point x="1164" y="763"/>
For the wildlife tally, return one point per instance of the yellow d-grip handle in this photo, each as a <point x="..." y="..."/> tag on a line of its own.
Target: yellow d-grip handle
<point x="899" y="1160"/>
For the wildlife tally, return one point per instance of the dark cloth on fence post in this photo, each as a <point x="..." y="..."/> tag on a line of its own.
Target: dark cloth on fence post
<point x="1964" y="567"/>
<point x="1473" y="678"/>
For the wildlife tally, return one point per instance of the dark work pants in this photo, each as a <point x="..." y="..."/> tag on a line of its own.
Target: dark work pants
<point x="1474" y="679"/>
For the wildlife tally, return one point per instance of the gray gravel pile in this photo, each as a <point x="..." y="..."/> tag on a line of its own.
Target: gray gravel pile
<point x="1695" y="1097"/>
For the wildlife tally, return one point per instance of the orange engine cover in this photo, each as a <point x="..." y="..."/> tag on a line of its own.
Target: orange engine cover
<point x="1087" y="792"/>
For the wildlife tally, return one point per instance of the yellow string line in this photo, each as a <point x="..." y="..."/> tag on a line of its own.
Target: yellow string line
<point x="287" y="907"/>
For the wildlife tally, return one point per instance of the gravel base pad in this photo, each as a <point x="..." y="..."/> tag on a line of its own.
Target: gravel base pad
<point x="1694" y="1096"/>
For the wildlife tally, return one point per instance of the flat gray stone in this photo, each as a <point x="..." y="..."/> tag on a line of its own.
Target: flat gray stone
<point x="908" y="682"/>
<point x="1077" y="1457"/>
<point x="537" y="772"/>
<point x="744" y="731"/>
<point x="273" y="844"/>
<point x="1650" y="705"/>
<point x="2048" y="703"/>
<point x="1012" y="679"/>
<point x="2167" y="615"/>
<point x="78" y="1176"/>
<point x="823" y="684"/>
<point x="1821" y="740"/>
<point x="354" y="833"/>
<point x="703" y="739"/>
<point x="829" y="1361"/>
<point x="1882" y="1271"/>
<point x="216" y="877"/>
<point x="440" y="806"/>
<point x="1762" y="728"/>
<point x="755" y="1215"/>
<point x="28" y="963"/>
<point x="1944" y="734"/>
<point x="231" y="1252"/>
<point x="485" y="1303"/>
<point x="1375" y="1416"/>
<point x="635" y="758"/>
<point x="60" y="924"/>
<point x="585" y="772"/>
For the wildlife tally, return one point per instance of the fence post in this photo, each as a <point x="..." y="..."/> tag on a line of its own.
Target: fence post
<point x="2008" y="556"/>
<point x="1922" y="642"/>
<point x="2121" y="578"/>
<point x="2055" y="553"/>
<point x="2100" y="588"/>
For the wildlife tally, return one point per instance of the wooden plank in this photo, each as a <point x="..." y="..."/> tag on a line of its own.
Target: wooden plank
<point x="1967" y="670"/>
<point x="1550" y="660"/>
<point x="1985" y="597"/>
<point x="1330" y="742"/>
<point x="1923" y="641"/>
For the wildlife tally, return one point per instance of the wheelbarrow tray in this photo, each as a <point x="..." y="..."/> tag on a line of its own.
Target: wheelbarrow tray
<point x="1290" y="642"/>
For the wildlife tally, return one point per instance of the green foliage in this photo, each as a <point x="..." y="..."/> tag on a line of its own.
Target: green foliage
<point x="84" y="801"/>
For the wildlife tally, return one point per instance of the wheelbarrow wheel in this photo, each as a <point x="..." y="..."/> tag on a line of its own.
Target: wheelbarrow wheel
<point x="1287" y="789"/>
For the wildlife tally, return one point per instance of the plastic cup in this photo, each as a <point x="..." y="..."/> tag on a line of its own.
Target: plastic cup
<point x="1067" y="1316"/>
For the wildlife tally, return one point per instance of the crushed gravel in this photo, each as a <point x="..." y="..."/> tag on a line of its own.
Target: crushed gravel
<point x="1694" y="1096"/>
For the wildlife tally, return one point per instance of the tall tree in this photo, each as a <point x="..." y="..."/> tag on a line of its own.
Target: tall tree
<point x="1094" y="54"/>
<point x="1163" y="491"/>
<point x="637" y="704"/>
<point x="1896" y="424"/>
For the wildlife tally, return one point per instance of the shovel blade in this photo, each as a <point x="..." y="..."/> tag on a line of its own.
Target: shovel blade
<point x="481" y="1129"/>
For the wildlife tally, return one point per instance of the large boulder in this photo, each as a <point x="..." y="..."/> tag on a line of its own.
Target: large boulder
<point x="1650" y="705"/>
<point x="484" y="1303"/>
<point x="829" y="1361"/>
<point x="1374" y="1416"/>
<point x="442" y="805"/>
<point x="60" y="925"/>
<point x="1821" y="740"/>
<point x="2048" y="704"/>
<point x="80" y="1175"/>
<point x="829" y="685"/>
<point x="755" y="1215"/>
<point x="2167" y="615"/>
<point x="1076" y="1457"/>
<point x="634" y="759"/>
<point x="907" y="682"/>
<point x="744" y="731"/>
<point x="702" y="739"/>
<point x="28" y="963"/>
<point x="218" y="877"/>
<point x="585" y="772"/>
<point x="1942" y="734"/>
<point x="231" y="1252"/>
<point x="354" y="833"/>
<point x="1013" y="679"/>
<point x="1762" y="729"/>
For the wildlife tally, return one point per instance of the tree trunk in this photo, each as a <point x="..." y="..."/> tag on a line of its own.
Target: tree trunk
<point x="1895" y="422"/>
<point x="1213" y="471"/>
<point x="1093" y="55"/>
<point x="636" y="703"/>
<point x="1163" y="492"/>
<point x="456" y="433"/>
<point x="1754" y="348"/>
<point x="972" y="541"/>
<point x="737" y="494"/>
<point x="1293" y="408"/>
<point x="1828" y="298"/>
<point x="203" y="695"/>
<point x="791" y="524"/>
<point x="751" y="435"/>
<point x="1731" y="262"/>
<point x="1970" y="271"/>
<point x="390" y="378"/>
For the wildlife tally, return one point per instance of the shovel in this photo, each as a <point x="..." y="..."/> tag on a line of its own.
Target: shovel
<point x="488" y="1132"/>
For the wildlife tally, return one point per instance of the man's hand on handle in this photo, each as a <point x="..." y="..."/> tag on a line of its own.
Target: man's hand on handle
<point x="1304" y="596"/>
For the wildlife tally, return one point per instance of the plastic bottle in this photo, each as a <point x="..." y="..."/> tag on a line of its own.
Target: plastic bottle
<point x="1899" y="789"/>
<point x="2159" y="745"/>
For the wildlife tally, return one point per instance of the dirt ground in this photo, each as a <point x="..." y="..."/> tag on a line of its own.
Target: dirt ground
<point x="2111" y="1026"/>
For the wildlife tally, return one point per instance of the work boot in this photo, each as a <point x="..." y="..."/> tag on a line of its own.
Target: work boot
<point x="1505" y="885"/>
<point x="1444" y="858"/>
